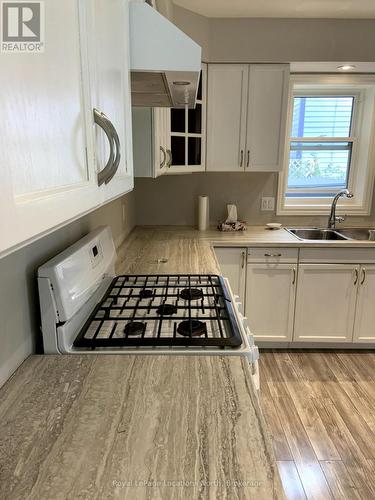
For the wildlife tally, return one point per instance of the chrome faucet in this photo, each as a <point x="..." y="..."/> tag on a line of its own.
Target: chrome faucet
<point x="332" y="216"/>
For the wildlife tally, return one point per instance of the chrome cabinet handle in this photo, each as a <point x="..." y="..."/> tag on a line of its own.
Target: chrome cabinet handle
<point x="248" y="158"/>
<point x="103" y="122"/>
<point x="162" y="163"/>
<point x="241" y="158"/>
<point x="243" y="259"/>
<point x="294" y="276"/>
<point x="169" y="153"/>
<point x="272" y="254"/>
<point x="117" y="159"/>
<point x="363" y="276"/>
<point x="356" y="276"/>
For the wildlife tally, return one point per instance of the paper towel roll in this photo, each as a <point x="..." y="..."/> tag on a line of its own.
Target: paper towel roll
<point x="203" y="213"/>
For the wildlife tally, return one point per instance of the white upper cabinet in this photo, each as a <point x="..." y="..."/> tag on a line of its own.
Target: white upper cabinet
<point x="151" y="141"/>
<point x="188" y="133"/>
<point x="266" y="116"/>
<point x="47" y="165"/>
<point x="45" y="177"/>
<point x="246" y="116"/>
<point x="226" y="116"/>
<point x="170" y="140"/>
<point x="109" y="87"/>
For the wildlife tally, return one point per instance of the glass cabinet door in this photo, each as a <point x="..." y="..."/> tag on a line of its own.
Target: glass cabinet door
<point x="188" y="134"/>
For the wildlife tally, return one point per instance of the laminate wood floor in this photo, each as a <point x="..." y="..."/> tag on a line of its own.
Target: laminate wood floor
<point x="320" y="410"/>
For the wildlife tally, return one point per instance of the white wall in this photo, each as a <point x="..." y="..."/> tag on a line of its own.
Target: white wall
<point x="19" y="306"/>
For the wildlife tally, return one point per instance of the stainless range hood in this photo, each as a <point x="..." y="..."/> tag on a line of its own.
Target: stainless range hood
<point x="165" y="63"/>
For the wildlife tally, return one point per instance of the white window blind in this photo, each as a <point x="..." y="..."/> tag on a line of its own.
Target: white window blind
<point x="320" y="145"/>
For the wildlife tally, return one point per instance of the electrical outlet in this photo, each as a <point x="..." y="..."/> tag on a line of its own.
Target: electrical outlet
<point x="267" y="204"/>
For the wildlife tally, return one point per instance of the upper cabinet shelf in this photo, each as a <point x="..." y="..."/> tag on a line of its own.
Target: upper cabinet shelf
<point x="246" y="117"/>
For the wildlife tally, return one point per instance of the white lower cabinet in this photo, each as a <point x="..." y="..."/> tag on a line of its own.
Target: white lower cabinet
<point x="364" y="329"/>
<point x="328" y="299"/>
<point x="326" y="302"/>
<point x="232" y="262"/>
<point x="270" y="298"/>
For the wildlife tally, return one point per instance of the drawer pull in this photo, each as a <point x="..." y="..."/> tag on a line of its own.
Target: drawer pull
<point x="363" y="275"/>
<point x="356" y="275"/>
<point x="272" y="254"/>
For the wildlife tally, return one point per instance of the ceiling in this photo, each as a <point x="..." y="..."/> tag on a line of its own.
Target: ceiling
<point x="345" y="9"/>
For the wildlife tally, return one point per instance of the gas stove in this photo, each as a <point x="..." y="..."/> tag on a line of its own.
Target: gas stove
<point x="163" y="310"/>
<point x="86" y="308"/>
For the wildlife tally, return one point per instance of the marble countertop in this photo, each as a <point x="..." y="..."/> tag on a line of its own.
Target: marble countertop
<point x="138" y="427"/>
<point x="188" y="250"/>
<point x="134" y="427"/>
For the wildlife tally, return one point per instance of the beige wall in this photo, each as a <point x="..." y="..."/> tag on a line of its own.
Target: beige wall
<point x="173" y="199"/>
<point x="279" y="40"/>
<point x="19" y="309"/>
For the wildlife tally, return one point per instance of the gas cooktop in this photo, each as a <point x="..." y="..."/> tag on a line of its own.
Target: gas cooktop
<point x="162" y="310"/>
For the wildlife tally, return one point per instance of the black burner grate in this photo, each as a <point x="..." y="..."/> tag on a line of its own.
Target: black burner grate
<point x="160" y="311"/>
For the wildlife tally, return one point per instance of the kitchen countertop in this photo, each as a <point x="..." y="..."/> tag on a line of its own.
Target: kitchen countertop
<point x="190" y="251"/>
<point x="134" y="427"/>
<point x="100" y="426"/>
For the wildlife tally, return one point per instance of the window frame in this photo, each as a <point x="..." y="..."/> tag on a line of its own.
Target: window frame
<point x="360" y="181"/>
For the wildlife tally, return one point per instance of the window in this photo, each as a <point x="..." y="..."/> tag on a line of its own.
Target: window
<point x="328" y="144"/>
<point x="321" y="144"/>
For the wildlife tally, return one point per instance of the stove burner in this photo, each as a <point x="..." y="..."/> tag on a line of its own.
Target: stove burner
<point x="197" y="328"/>
<point x="191" y="294"/>
<point x="146" y="293"/>
<point x="134" y="328"/>
<point x="166" y="309"/>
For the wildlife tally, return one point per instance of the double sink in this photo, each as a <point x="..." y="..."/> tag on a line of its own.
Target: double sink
<point x="349" y="233"/>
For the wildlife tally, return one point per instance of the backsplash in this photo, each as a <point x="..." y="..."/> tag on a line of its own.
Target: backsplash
<point x="19" y="331"/>
<point x="172" y="200"/>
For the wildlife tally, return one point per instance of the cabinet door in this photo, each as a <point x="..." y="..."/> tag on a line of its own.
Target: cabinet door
<point x="110" y="89"/>
<point x="266" y="116"/>
<point x="325" y="304"/>
<point x="226" y="116"/>
<point x="162" y="141"/>
<point x="232" y="262"/>
<point x="46" y="180"/>
<point x="270" y="299"/>
<point x="188" y="133"/>
<point x="364" y="326"/>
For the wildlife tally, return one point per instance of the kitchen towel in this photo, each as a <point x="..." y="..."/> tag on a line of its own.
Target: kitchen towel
<point x="203" y="213"/>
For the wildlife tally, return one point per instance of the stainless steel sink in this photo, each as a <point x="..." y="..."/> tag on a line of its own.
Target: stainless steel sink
<point x="317" y="234"/>
<point x="358" y="233"/>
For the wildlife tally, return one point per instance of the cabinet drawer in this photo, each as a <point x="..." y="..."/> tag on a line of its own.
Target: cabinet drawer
<point x="272" y="255"/>
<point x="337" y="255"/>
